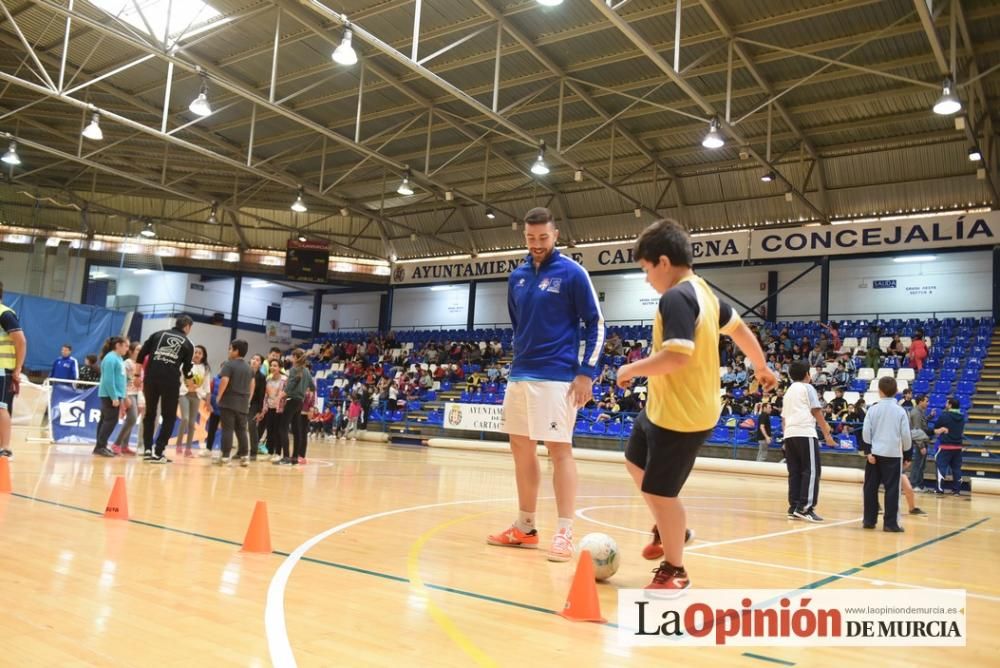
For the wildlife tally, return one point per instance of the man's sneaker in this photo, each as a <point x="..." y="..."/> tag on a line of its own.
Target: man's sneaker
<point x="562" y="546"/>
<point x="244" y="461"/>
<point x="808" y="515"/>
<point x="6" y="453"/>
<point x="222" y="461"/>
<point x="654" y="550"/>
<point x="917" y="511"/>
<point x="159" y="459"/>
<point x="514" y="537"/>
<point x="668" y="581"/>
<point x="791" y="513"/>
<point x="147" y="455"/>
<point x="104" y="452"/>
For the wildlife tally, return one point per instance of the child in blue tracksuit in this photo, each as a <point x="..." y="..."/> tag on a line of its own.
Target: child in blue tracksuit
<point x="111" y="391"/>
<point x="212" y="425"/>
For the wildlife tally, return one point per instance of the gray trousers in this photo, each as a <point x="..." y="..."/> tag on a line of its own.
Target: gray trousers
<point x="234" y="422"/>
<point x="189" y="404"/>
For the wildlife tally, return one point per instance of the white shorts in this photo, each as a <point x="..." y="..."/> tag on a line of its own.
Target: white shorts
<point x="539" y="409"/>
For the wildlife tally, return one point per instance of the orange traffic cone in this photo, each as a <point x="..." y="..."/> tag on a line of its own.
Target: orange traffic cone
<point x="258" y="538"/>
<point x="582" y="604"/>
<point x="117" y="508"/>
<point x="4" y="476"/>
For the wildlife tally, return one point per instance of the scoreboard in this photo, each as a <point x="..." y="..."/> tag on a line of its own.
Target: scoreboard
<point x="307" y="260"/>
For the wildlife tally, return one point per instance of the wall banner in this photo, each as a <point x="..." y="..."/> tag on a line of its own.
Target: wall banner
<point x="884" y="236"/>
<point x="708" y="248"/>
<point x="473" y="417"/>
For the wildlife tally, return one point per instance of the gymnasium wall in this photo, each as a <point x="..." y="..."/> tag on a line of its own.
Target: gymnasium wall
<point x="57" y="275"/>
<point x="351" y="311"/>
<point x="426" y="307"/>
<point x="954" y="284"/>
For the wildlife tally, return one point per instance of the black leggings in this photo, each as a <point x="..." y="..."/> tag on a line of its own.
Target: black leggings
<point x="162" y="393"/>
<point x="293" y="421"/>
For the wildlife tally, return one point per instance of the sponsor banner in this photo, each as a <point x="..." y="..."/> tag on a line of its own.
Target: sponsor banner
<point x="278" y="332"/>
<point x="473" y="417"/>
<point x="885" y="236"/>
<point x="75" y="413"/>
<point x="803" y="618"/>
<point x="708" y="248"/>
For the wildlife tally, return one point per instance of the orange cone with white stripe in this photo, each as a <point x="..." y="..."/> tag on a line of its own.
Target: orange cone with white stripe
<point x="583" y="604"/>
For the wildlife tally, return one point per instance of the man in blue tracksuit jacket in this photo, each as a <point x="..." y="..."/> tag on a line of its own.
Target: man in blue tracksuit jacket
<point x="550" y="379"/>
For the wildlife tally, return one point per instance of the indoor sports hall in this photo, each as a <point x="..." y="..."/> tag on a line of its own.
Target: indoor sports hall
<point x="264" y="266"/>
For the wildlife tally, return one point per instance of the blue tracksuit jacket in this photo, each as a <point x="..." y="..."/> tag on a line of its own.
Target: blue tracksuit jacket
<point x="546" y="308"/>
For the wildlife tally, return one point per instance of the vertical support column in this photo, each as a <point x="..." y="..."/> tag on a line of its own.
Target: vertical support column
<point x="996" y="283"/>
<point x="772" y="296"/>
<point x="317" y="312"/>
<point x="235" y="316"/>
<point x="824" y="289"/>
<point x="470" y="320"/>
<point x="385" y="311"/>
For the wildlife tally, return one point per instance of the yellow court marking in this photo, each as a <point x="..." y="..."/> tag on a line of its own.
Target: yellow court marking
<point x="439" y="617"/>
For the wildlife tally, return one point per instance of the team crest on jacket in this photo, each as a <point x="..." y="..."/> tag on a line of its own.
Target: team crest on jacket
<point x="455" y="415"/>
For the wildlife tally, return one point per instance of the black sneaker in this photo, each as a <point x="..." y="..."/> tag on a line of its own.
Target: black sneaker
<point x="808" y="515"/>
<point x="893" y="529"/>
<point x="103" y="452"/>
<point x="293" y="461"/>
<point x="791" y="513"/>
<point x="147" y="455"/>
<point x="158" y="459"/>
<point x="917" y="511"/>
<point x="7" y="453"/>
<point x="956" y="494"/>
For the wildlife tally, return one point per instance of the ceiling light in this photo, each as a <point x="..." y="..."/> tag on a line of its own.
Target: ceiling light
<point x="578" y="176"/>
<point x="490" y="214"/>
<point x="11" y="157"/>
<point x="345" y="54"/>
<point x="298" y="206"/>
<point x="345" y="212"/>
<point x="947" y="104"/>
<point x="405" y="189"/>
<point x="93" y="130"/>
<point x="200" y="106"/>
<point x="448" y="196"/>
<point x="914" y="258"/>
<point x="302" y="238"/>
<point x="393" y="257"/>
<point x="975" y="155"/>
<point x="713" y="139"/>
<point x="549" y="3"/>
<point x="148" y="231"/>
<point x="637" y="212"/>
<point x="212" y="219"/>
<point x="258" y="284"/>
<point x="540" y="168"/>
<point x="767" y="177"/>
<point x="513" y="225"/>
<point x="413" y="236"/>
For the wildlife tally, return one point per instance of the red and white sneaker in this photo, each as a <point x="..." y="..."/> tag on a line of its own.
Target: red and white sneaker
<point x="654" y="550"/>
<point x="514" y="537"/>
<point x="302" y="460"/>
<point x="562" y="546"/>
<point x="668" y="581"/>
<point x="128" y="452"/>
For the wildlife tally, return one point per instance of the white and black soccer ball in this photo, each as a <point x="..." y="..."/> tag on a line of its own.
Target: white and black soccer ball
<point x="603" y="552"/>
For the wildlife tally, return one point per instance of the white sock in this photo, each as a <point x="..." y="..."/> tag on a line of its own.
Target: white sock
<point x="525" y="522"/>
<point x="564" y="523"/>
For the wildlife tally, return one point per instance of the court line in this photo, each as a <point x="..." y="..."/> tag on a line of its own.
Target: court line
<point x="702" y="545"/>
<point x="438" y="615"/>
<point x="359" y="570"/>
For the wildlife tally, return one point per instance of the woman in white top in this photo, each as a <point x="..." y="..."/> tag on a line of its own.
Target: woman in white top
<point x="193" y="392"/>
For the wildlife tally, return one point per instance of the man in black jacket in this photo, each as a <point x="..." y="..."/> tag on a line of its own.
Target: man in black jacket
<point x="169" y="357"/>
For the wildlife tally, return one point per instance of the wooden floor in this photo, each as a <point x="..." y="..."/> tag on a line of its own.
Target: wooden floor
<point x="170" y="587"/>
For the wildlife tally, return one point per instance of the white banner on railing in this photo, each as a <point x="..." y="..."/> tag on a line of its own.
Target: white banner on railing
<point x="473" y="417"/>
<point x="882" y="236"/>
<point x="714" y="247"/>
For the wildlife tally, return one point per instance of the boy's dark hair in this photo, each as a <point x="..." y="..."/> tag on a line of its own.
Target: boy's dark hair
<point x="538" y="216"/>
<point x="907" y="391"/>
<point x="887" y="386"/>
<point x="838" y="389"/>
<point x="665" y="237"/>
<point x="240" y="346"/>
<point x="274" y="349"/>
<point x="183" y="321"/>
<point x="920" y="397"/>
<point x="66" y="345"/>
<point x="953" y="403"/>
<point x="798" y="371"/>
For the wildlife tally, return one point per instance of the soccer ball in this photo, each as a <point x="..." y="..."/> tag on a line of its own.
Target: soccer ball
<point x="603" y="552"/>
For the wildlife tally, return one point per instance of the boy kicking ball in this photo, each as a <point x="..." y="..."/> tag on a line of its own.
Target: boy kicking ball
<point x="683" y="378"/>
